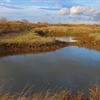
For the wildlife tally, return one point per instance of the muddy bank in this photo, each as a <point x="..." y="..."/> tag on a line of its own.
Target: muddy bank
<point x="14" y="48"/>
<point x="25" y="48"/>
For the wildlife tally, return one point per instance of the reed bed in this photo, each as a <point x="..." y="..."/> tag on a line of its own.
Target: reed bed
<point x="41" y="35"/>
<point x="72" y="30"/>
<point x="87" y="35"/>
<point x="26" y="37"/>
<point x="26" y="94"/>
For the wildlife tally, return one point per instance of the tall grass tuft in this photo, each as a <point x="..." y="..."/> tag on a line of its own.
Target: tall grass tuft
<point x="26" y="94"/>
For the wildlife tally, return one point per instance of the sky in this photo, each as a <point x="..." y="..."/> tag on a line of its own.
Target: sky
<point x="52" y="11"/>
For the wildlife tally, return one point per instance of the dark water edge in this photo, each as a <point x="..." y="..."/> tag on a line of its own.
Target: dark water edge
<point x="27" y="49"/>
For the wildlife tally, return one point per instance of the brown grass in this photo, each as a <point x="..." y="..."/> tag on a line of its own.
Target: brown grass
<point x="87" y="35"/>
<point x="95" y="35"/>
<point x="25" y="94"/>
<point x="72" y="30"/>
<point x="26" y="37"/>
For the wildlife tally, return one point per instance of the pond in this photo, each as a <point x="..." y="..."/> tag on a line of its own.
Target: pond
<point x="70" y="67"/>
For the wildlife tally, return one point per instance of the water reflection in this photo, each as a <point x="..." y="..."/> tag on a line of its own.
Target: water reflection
<point x="70" y="67"/>
<point x="65" y="39"/>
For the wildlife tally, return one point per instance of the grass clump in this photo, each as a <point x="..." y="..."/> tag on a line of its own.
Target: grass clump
<point x="95" y="35"/>
<point x="26" y="37"/>
<point x="26" y="94"/>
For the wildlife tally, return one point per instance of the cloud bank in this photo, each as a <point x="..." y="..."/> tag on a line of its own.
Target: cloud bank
<point x="78" y="10"/>
<point x="63" y="11"/>
<point x="51" y="14"/>
<point x="82" y="13"/>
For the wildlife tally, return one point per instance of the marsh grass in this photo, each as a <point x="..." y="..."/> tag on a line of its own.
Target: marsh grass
<point x="87" y="35"/>
<point x="95" y="35"/>
<point x="26" y="37"/>
<point x="72" y="30"/>
<point x="27" y="42"/>
<point x="26" y="94"/>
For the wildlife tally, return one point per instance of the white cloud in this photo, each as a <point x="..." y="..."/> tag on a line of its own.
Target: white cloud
<point x="94" y="14"/>
<point x="78" y="10"/>
<point x="36" y="14"/>
<point x="7" y="0"/>
<point x="95" y="11"/>
<point x="5" y="10"/>
<point x="96" y="18"/>
<point x="63" y="11"/>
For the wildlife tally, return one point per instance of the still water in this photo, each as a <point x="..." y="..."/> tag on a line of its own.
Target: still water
<point x="70" y="67"/>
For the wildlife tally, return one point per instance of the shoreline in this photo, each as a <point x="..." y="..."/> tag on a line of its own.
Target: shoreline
<point x="66" y="94"/>
<point x="23" y="48"/>
<point x="26" y="48"/>
<point x="39" y="38"/>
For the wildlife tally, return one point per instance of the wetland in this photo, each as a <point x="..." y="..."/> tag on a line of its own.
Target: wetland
<point x="29" y="53"/>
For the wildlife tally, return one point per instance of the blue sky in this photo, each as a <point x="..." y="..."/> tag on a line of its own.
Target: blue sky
<point x="52" y="11"/>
